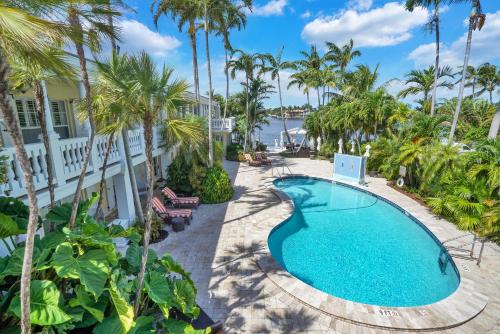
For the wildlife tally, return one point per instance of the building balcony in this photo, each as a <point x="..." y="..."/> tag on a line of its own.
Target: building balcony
<point x="226" y="125"/>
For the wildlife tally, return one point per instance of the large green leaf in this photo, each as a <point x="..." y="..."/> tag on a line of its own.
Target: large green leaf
<point x="8" y="227"/>
<point x="15" y="209"/>
<point x="124" y="311"/>
<point x="15" y="261"/>
<point x="60" y="215"/>
<point x="157" y="288"/>
<point x="52" y="240"/>
<point x="184" y="297"/>
<point x="88" y="303"/>
<point x="143" y="325"/>
<point x="44" y="304"/>
<point x="173" y="326"/>
<point x="110" y="325"/>
<point x="172" y="266"/>
<point x="134" y="256"/>
<point x="91" y="268"/>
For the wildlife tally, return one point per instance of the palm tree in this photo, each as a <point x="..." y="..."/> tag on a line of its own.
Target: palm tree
<point x="342" y="57"/>
<point x="29" y="72"/>
<point x="153" y="92"/>
<point x="312" y="64"/>
<point x="232" y="17"/>
<point x="259" y="90"/>
<point x="433" y="24"/>
<point x="273" y="65"/>
<point x="471" y="77"/>
<point x="246" y="63"/>
<point x="488" y="80"/>
<point x="422" y="81"/>
<point x="476" y="21"/>
<point x="300" y="80"/>
<point x="114" y="89"/>
<point x="360" y="81"/>
<point x="185" y="12"/>
<point x="24" y="35"/>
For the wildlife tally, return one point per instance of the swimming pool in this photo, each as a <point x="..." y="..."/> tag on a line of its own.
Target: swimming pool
<point x="355" y="246"/>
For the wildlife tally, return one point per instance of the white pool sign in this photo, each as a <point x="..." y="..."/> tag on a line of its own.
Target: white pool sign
<point x="350" y="167"/>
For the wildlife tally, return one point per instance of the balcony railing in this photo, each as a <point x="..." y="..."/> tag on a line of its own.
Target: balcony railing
<point x="224" y="125"/>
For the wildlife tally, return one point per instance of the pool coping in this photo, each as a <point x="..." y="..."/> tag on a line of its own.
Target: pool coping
<point x="461" y="306"/>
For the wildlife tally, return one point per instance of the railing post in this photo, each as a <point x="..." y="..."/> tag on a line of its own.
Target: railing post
<point x="142" y="140"/>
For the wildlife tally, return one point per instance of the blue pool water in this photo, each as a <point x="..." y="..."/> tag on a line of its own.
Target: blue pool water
<point x="352" y="245"/>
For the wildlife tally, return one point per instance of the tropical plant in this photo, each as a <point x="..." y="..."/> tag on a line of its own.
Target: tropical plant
<point x="274" y="65"/>
<point x="432" y="25"/>
<point x="488" y="80"/>
<point x="301" y="80"/>
<point x="476" y="21"/>
<point x="216" y="186"/>
<point x="342" y="56"/>
<point x="311" y="64"/>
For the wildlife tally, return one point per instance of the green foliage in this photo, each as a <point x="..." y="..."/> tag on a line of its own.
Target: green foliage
<point x="178" y="175"/>
<point x="234" y="152"/>
<point x="80" y="281"/>
<point x="216" y="187"/>
<point x="327" y="150"/>
<point x="156" y="228"/>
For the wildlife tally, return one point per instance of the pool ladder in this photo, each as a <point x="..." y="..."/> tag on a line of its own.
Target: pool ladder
<point x="283" y="166"/>
<point x="462" y="251"/>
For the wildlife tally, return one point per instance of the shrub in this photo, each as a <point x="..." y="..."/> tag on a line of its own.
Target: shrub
<point x="178" y="175"/>
<point x="216" y="186"/>
<point x="261" y="147"/>
<point x="327" y="150"/>
<point x="156" y="228"/>
<point x="234" y="152"/>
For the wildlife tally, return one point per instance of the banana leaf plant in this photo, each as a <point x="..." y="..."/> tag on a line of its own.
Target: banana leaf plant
<point x="81" y="284"/>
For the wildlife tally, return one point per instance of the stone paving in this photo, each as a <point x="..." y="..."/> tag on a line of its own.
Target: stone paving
<point x="223" y="249"/>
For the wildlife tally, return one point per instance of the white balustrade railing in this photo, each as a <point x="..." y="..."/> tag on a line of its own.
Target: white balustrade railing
<point x="101" y="146"/>
<point x="135" y="142"/>
<point x="72" y="153"/>
<point x="157" y="137"/>
<point x="227" y="124"/>
<point x="14" y="185"/>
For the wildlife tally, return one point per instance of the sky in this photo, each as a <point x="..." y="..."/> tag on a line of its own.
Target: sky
<point x="384" y="32"/>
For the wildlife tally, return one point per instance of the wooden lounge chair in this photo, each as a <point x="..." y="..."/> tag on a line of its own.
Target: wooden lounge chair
<point x="251" y="161"/>
<point x="259" y="156"/>
<point x="180" y="201"/>
<point x="169" y="214"/>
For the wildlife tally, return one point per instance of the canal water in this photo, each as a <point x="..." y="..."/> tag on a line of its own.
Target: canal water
<point x="270" y="132"/>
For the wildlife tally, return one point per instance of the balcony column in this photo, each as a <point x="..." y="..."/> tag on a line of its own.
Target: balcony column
<point x="123" y="188"/>
<point x="54" y="155"/>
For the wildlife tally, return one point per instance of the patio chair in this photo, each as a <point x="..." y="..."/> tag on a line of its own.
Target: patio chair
<point x="251" y="161"/>
<point x="180" y="201"/>
<point x="169" y="214"/>
<point x="259" y="156"/>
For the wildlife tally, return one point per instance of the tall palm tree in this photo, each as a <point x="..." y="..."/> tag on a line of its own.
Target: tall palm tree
<point x="246" y="63"/>
<point x="24" y="34"/>
<point x="186" y="13"/>
<point x="476" y="21"/>
<point x="471" y="77"/>
<point x="360" y="81"/>
<point x="154" y="90"/>
<point x="433" y="24"/>
<point x="422" y="82"/>
<point x="114" y="89"/>
<point x="488" y="80"/>
<point x="259" y="90"/>
<point x="300" y="80"/>
<point x="89" y="21"/>
<point x="312" y="64"/>
<point x="342" y="56"/>
<point x="29" y="72"/>
<point x="274" y="65"/>
<point x="231" y="18"/>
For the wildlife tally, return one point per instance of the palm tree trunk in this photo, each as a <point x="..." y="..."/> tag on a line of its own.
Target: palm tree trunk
<point x="192" y="38"/>
<point x="495" y="125"/>
<point x="226" y="72"/>
<point x="462" y="82"/>
<point x="491" y="97"/>
<point x="319" y="100"/>
<point x="247" y="114"/>
<point x="436" y="65"/>
<point x="17" y="138"/>
<point x="40" y="113"/>
<point x="131" y="175"/>
<point x="309" y="101"/>
<point x="148" y="139"/>
<point x="102" y="184"/>
<point x="75" y="23"/>
<point x="210" y="138"/>
<point x="282" y="113"/>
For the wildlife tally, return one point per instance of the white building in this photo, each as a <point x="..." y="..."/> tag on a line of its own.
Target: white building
<point x="68" y="138"/>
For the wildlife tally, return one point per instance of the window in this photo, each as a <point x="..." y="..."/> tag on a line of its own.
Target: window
<point x="58" y="113"/>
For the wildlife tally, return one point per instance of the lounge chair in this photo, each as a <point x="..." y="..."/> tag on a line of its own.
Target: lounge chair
<point x="169" y="214"/>
<point x="251" y="161"/>
<point x="180" y="201"/>
<point x="259" y="156"/>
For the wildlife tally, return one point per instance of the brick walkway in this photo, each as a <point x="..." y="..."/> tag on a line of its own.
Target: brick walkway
<point x="220" y="249"/>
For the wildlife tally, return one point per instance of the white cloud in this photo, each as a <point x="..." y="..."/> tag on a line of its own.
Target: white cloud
<point x="383" y="26"/>
<point x="135" y="37"/>
<point x="271" y="8"/>
<point x="485" y="47"/>
<point x="305" y="15"/>
<point x="360" y="4"/>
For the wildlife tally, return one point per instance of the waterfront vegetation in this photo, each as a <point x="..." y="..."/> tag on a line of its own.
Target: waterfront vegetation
<point x="74" y="279"/>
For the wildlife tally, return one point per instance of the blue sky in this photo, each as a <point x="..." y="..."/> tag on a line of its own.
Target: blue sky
<point x="383" y="31"/>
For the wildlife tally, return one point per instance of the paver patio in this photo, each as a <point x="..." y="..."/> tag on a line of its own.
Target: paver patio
<point x="220" y="250"/>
